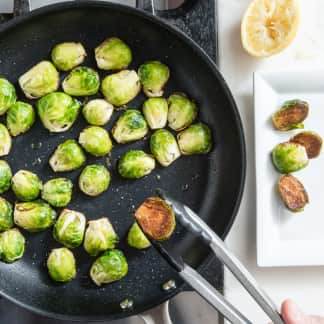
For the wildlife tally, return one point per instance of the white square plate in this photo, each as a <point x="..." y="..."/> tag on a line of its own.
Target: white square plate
<point x="285" y="238"/>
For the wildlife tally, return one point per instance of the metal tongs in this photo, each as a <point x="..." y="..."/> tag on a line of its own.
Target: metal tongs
<point x="197" y="226"/>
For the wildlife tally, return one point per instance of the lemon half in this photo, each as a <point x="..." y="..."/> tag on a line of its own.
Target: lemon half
<point x="269" y="26"/>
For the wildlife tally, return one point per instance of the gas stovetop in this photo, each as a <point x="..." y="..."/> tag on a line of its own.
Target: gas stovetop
<point x="198" y="19"/>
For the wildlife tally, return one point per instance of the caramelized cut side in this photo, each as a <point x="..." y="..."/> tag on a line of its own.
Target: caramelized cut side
<point x="311" y="141"/>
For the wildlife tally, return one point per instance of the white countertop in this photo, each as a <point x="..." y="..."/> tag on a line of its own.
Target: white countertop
<point x="304" y="284"/>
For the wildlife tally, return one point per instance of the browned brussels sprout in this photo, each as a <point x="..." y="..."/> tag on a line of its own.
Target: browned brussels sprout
<point x="311" y="141"/>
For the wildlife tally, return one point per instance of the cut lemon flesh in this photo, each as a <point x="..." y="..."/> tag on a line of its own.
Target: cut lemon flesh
<point x="269" y="26"/>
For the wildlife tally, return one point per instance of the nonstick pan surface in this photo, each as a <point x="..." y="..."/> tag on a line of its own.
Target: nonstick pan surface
<point x="212" y="184"/>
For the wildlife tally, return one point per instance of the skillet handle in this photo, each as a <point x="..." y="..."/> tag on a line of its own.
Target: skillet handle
<point x="157" y="315"/>
<point x="21" y="7"/>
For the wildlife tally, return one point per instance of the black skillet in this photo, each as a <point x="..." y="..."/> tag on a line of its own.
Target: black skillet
<point x="211" y="185"/>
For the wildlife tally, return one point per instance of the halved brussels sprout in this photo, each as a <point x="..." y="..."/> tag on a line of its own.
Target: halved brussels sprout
<point x="137" y="239"/>
<point x="291" y="115"/>
<point x="94" y="180"/>
<point x="156" y="218"/>
<point x="61" y="265"/>
<point x="95" y="140"/>
<point x="34" y="216"/>
<point x="98" y="112"/>
<point x="40" y="80"/>
<point x="164" y="147"/>
<point x="130" y="126"/>
<point x="6" y="215"/>
<point x="182" y="111"/>
<point x="109" y="267"/>
<point x="68" y="55"/>
<point x="99" y="236"/>
<point x="155" y="111"/>
<point x="68" y="156"/>
<point x="58" y="111"/>
<point x="69" y="228"/>
<point x="20" y="117"/>
<point x="5" y="140"/>
<point x="82" y="81"/>
<point x="153" y="75"/>
<point x="120" y="88"/>
<point x="12" y="245"/>
<point x="5" y="176"/>
<point x="289" y="157"/>
<point x="311" y="141"/>
<point x="135" y="164"/>
<point x="196" y="139"/>
<point x="58" y="192"/>
<point x="292" y="193"/>
<point x="7" y="95"/>
<point x="113" y="54"/>
<point x="26" y="185"/>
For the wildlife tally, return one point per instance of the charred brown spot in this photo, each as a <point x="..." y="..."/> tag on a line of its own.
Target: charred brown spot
<point x="156" y="218"/>
<point x="292" y="192"/>
<point x="311" y="141"/>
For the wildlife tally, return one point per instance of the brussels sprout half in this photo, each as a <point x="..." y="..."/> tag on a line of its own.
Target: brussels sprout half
<point x="95" y="140"/>
<point x="5" y="140"/>
<point x="34" y="216"/>
<point x="94" y="180"/>
<point x="26" y="185"/>
<point x="20" y="118"/>
<point x="6" y="215"/>
<point x="135" y="164"/>
<point x="109" y="267"/>
<point x="7" y="95"/>
<point x="289" y="157"/>
<point x="40" y="80"/>
<point x="68" y="156"/>
<point x="69" y="228"/>
<point x="68" y="55"/>
<point x="58" y="192"/>
<point x="120" y="88"/>
<point x="99" y="236"/>
<point x="156" y="218"/>
<point x="196" y="139"/>
<point x="311" y="141"/>
<point x="164" y="147"/>
<point x="5" y="176"/>
<point x="155" y="111"/>
<point x="113" y="54"/>
<point x="130" y="126"/>
<point x="291" y="115"/>
<point x="82" y="81"/>
<point x="136" y="238"/>
<point x="12" y="245"/>
<point x="61" y="265"/>
<point x="182" y="111"/>
<point x="98" y="112"/>
<point x="58" y="111"/>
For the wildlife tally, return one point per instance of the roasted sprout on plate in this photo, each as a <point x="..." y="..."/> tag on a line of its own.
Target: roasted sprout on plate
<point x="12" y="245"/>
<point x="130" y="126"/>
<point x="153" y="75"/>
<point x="57" y="192"/>
<point x="311" y="141"/>
<point x="58" y="111"/>
<point x="68" y="156"/>
<point x="26" y="185"/>
<point x="155" y="111"/>
<point x="40" y="80"/>
<point x="164" y="147"/>
<point x="136" y="238"/>
<point x="6" y="215"/>
<point x="121" y="87"/>
<point x="7" y="95"/>
<point x="109" y="267"/>
<point x="69" y="228"/>
<point x="5" y="140"/>
<point x="34" y="216"/>
<point x="113" y="54"/>
<point x="5" y="176"/>
<point x="135" y="164"/>
<point x="68" y="55"/>
<point x="97" y="112"/>
<point x="100" y="236"/>
<point x="61" y="265"/>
